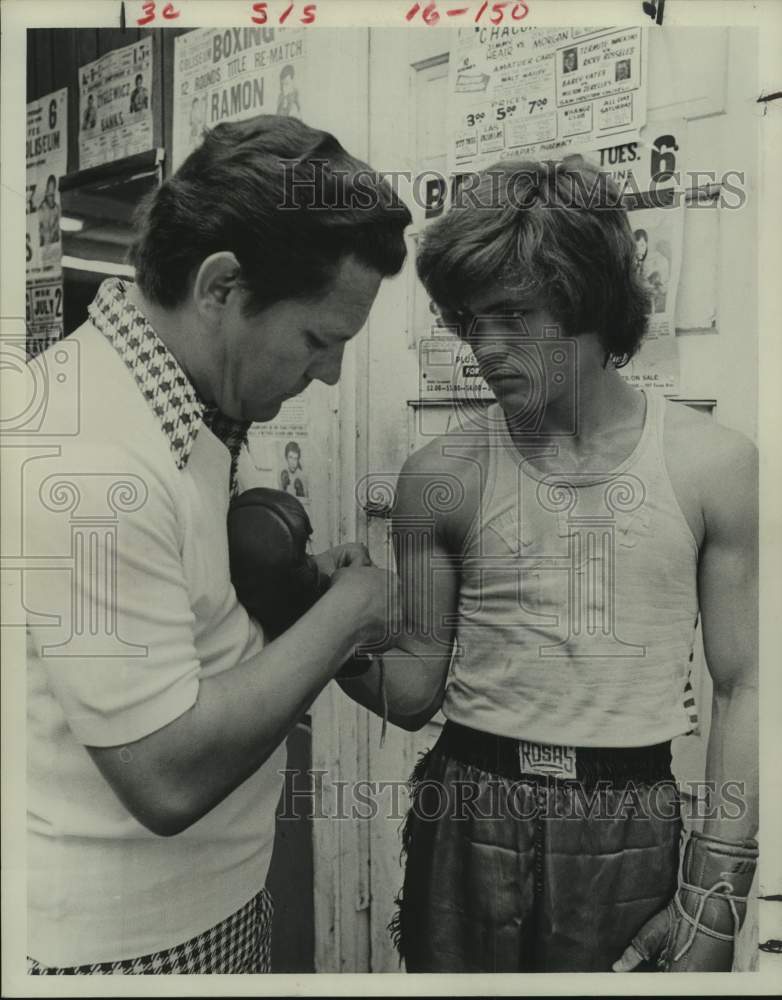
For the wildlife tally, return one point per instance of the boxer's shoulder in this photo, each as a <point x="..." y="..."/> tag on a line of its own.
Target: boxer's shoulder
<point x="452" y="457"/>
<point x="713" y="469"/>
<point x="443" y="480"/>
<point x="702" y="443"/>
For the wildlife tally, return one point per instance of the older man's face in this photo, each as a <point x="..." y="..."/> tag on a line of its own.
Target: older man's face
<point x="274" y="355"/>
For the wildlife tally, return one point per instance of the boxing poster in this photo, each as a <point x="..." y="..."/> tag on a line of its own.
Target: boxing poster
<point x="115" y="105"/>
<point x="658" y="233"/>
<point x="47" y="161"/>
<point x="650" y="174"/>
<point x="226" y="75"/>
<point x="530" y="93"/>
<point x="278" y="453"/>
<point x="653" y="162"/>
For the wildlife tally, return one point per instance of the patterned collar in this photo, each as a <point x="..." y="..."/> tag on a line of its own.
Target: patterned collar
<point x="170" y="395"/>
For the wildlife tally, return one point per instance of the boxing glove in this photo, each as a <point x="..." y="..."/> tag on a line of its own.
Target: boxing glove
<point x="274" y="577"/>
<point x="696" y="932"/>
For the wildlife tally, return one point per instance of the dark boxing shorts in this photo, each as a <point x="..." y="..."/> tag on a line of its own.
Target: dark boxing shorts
<point x="531" y="858"/>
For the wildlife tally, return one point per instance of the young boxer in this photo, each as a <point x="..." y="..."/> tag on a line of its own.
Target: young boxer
<point x="558" y="553"/>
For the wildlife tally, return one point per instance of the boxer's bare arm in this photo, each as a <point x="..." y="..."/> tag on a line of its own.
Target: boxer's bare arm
<point x="714" y="472"/>
<point x="728" y="596"/>
<point x="174" y="776"/>
<point x="437" y="496"/>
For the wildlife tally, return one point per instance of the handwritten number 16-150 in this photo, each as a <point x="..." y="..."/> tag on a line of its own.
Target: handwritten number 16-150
<point x="495" y="12"/>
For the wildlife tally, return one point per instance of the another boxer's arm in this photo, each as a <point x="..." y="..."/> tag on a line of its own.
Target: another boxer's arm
<point x="174" y="776"/>
<point x="696" y="932"/>
<point x="416" y="667"/>
<point x="728" y="595"/>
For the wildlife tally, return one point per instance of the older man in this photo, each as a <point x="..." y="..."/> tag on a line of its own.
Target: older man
<point x="154" y="760"/>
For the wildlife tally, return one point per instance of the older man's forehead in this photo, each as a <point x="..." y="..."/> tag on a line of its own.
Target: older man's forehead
<point x="345" y="309"/>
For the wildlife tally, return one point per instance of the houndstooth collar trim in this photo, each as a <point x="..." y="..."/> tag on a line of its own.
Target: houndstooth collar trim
<point x="166" y="388"/>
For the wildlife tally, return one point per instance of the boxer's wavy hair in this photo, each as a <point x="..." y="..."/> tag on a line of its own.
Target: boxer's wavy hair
<point x="553" y="235"/>
<point x="285" y="198"/>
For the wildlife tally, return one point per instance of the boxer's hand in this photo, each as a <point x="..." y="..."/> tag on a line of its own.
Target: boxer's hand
<point x="696" y="932"/>
<point x="663" y="940"/>
<point x="652" y="943"/>
<point x="376" y="595"/>
<point x="349" y="554"/>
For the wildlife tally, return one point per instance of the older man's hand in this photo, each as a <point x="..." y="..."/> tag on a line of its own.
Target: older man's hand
<point x="349" y="554"/>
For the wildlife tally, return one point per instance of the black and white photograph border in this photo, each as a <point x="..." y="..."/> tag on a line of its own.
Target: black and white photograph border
<point x="347" y="784"/>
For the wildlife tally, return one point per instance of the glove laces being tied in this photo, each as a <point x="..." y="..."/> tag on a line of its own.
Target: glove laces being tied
<point x="724" y="888"/>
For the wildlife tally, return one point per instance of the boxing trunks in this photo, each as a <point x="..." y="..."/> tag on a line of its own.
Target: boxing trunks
<point x="524" y="857"/>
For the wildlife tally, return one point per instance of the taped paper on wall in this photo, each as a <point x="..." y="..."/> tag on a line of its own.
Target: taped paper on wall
<point x="230" y="75"/>
<point x="529" y="93"/>
<point x="658" y="234"/>
<point x="47" y="160"/>
<point x="115" y="105"/>
<point x="277" y="453"/>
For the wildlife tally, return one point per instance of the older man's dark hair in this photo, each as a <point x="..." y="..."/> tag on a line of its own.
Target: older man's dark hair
<point x="285" y="198"/>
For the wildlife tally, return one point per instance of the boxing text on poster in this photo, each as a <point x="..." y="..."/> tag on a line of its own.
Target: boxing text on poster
<point x="232" y="74"/>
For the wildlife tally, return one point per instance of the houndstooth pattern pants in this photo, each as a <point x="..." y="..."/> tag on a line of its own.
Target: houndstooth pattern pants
<point x="240" y="943"/>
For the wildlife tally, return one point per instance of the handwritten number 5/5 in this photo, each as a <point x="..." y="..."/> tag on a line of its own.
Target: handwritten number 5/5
<point x="260" y="13"/>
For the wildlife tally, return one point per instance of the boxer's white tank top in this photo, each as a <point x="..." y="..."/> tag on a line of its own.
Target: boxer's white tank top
<point x="578" y="601"/>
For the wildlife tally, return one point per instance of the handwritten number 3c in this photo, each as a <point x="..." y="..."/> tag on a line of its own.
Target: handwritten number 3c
<point x="149" y="7"/>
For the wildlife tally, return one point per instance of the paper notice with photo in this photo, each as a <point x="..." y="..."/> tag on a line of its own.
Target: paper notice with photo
<point x="277" y="454"/>
<point x="47" y="161"/>
<point x="115" y="105"/>
<point x="529" y="93"/>
<point x="219" y="79"/>
<point x="658" y="234"/>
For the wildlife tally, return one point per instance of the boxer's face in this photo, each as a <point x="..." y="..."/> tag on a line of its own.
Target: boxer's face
<point x="274" y="355"/>
<point x="516" y="346"/>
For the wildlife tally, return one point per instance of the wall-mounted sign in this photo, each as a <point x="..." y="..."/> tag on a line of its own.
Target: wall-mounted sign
<point x="228" y="75"/>
<point x="115" y="105"/>
<point x="47" y="161"/>
<point x="529" y="93"/>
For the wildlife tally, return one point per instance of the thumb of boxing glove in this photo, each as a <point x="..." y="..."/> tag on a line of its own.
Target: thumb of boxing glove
<point x="696" y="932"/>
<point x="649" y="942"/>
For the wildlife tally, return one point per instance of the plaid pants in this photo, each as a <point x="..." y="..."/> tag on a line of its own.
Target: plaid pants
<point x="240" y="943"/>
